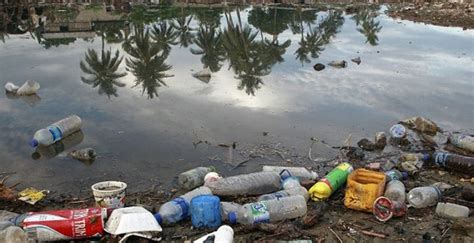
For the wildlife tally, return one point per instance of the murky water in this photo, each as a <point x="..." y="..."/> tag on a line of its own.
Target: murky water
<point x="143" y="110"/>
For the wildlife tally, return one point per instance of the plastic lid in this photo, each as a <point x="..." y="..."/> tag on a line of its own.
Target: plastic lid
<point x="320" y="191"/>
<point x="34" y="143"/>
<point x="232" y="216"/>
<point x="158" y="218"/>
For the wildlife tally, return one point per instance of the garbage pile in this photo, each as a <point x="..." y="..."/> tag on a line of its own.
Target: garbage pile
<point x="278" y="193"/>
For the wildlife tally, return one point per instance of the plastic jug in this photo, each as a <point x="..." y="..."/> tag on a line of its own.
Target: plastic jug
<point x="331" y="182"/>
<point x="206" y="211"/>
<point x="363" y="187"/>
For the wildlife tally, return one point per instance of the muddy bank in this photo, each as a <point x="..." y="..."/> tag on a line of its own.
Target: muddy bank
<point x="444" y="14"/>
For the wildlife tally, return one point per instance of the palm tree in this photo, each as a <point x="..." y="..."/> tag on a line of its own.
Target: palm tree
<point x="210" y="43"/>
<point x="185" y="35"/>
<point x="103" y="71"/>
<point x="147" y="62"/>
<point x="165" y="36"/>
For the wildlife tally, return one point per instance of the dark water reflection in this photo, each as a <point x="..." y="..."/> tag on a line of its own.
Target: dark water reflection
<point x="131" y="82"/>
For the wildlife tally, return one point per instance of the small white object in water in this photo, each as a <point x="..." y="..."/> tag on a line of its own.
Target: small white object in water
<point x="30" y="87"/>
<point x="11" y="88"/>
<point x="206" y="72"/>
<point x="338" y="64"/>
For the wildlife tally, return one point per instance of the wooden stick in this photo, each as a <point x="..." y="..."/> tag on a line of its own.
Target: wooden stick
<point x="365" y="232"/>
<point x="337" y="236"/>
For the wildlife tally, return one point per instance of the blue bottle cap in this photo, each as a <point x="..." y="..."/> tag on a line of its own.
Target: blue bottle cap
<point x="158" y="218"/>
<point x="232" y="217"/>
<point x="426" y="157"/>
<point x="34" y="143"/>
<point x="404" y="175"/>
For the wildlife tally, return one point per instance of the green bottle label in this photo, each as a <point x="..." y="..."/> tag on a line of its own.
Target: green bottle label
<point x="338" y="176"/>
<point x="260" y="213"/>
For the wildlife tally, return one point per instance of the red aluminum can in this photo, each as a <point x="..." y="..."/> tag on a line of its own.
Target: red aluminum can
<point x="65" y="224"/>
<point x="384" y="209"/>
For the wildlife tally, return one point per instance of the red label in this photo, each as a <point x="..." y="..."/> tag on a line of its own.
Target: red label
<point x="64" y="224"/>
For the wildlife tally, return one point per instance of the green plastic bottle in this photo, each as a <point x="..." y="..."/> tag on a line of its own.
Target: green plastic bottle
<point x="331" y="182"/>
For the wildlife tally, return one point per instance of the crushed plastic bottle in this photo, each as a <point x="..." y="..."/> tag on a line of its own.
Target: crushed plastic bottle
<point x="57" y="131"/>
<point x="300" y="172"/>
<point x="291" y="187"/>
<point x="395" y="191"/>
<point x="454" y="162"/>
<point x="331" y="182"/>
<point x="451" y="210"/>
<point x="462" y="141"/>
<point x="13" y="234"/>
<point x="193" y="178"/>
<point x="422" y="197"/>
<point x="270" y="211"/>
<point x="179" y="208"/>
<point x="248" y="184"/>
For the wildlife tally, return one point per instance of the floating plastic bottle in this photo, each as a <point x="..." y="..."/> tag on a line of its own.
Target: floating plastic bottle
<point x="30" y="87"/>
<point x="179" y="208"/>
<point x="396" y="175"/>
<point x="291" y="187"/>
<point x="462" y="141"/>
<point x="248" y="184"/>
<point x="225" y="234"/>
<point x="451" y="210"/>
<point x="300" y="172"/>
<point x="422" y="197"/>
<point x="331" y="182"/>
<point x="57" y="131"/>
<point x="53" y="150"/>
<point x="395" y="191"/>
<point x="227" y="207"/>
<point x="454" y="162"/>
<point x="193" y="178"/>
<point x="13" y="234"/>
<point x="270" y="211"/>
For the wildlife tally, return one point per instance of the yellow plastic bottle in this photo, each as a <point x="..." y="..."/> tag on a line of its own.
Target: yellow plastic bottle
<point x="330" y="183"/>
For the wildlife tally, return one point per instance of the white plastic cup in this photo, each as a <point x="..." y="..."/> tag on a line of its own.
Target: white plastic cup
<point x="109" y="194"/>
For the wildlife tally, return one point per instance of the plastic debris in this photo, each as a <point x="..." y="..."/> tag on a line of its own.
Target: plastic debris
<point x="193" y="178"/>
<point x="13" y="234"/>
<point x="421" y="124"/>
<point x="109" y="194"/>
<point x="338" y="64"/>
<point x="32" y="195"/>
<point x="30" y="87"/>
<point x="206" y="211"/>
<point x="11" y="88"/>
<point x="56" y="131"/>
<point x="86" y="154"/>
<point x="325" y="187"/>
<point x="300" y="172"/>
<point x="248" y="184"/>
<point x="385" y="208"/>
<point x="133" y="221"/>
<point x="462" y="141"/>
<point x="224" y="234"/>
<point x="363" y="187"/>
<point x="451" y="210"/>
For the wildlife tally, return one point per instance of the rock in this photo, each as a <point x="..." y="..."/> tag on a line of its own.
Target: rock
<point x="356" y="60"/>
<point x="338" y="64"/>
<point x="319" y="66"/>
<point x="380" y="140"/>
<point x="366" y="144"/>
<point x="203" y="75"/>
<point x="86" y="154"/>
<point x="467" y="193"/>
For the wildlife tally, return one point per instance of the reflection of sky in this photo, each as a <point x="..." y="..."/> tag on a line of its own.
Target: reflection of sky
<point x="152" y="139"/>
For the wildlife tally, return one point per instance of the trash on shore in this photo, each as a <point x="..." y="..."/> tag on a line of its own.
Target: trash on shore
<point x="319" y="67"/>
<point x="86" y="154"/>
<point x="109" y="194"/>
<point x="32" y="195"/>
<point x="338" y="64"/>
<point x="193" y="178"/>
<point x="133" y="221"/>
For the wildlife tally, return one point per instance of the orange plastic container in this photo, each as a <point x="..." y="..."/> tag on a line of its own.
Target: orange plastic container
<point x="363" y="187"/>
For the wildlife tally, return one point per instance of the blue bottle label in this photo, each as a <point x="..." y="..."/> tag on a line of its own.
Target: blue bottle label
<point x="260" y="213"/>
<point x="183" y="205"/>
<point x="56" y="132"/>
<point x="440" y="159"/>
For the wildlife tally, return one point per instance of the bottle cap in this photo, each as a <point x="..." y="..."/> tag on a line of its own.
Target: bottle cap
<point x="426" y="157"/>
<point x="404" y="175"/>
<point x="284" y="174"/>
<point x="398" y="131"/>
<point x="34" y="143"/>
<point x="158" y="218"/>
<point x="232" y="216"/>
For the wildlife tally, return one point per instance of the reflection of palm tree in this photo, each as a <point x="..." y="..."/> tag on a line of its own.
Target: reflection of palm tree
<point x="273" y="51"/>
<point x="165" y="36"/>
<point x="103" y="71"/>
<point x="147" y="62"/>
<point x="369" y="27"/>
<point x="210" y="46"/>
<point x="185" y="35"/>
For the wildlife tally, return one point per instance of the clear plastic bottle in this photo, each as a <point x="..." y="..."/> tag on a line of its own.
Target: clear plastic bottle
<point x="57" y="131"/>
<point x="193" y="178"/>
<point x="227" y="207"/>
<point x="248" y="184"/>
<point x="13" y="234"/>
<point x="291" y="187"/>
<point x="395" y="190"/>
<point x="396" y="175"/>
<point x="270" y="211"/>
<point x="451" y="210"/>
<point x="422" y="197"/>
<point x="462" y="141"/>
<point x="300" y="172"/>
<point x="179" y="208"/>
<point x="53" y="150"/>
<point x="30" y="87"/>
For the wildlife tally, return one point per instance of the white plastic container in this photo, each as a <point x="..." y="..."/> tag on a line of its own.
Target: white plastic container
<point x="193" y="178"/>
<point x="179" y="208"/>
<point x="13" y="234"/>
<point x="395" y="191"/>
<point x="109" y="194"/>
<point x="249" y="184"/>
<point x="422" y="197"/>
<point x="270" y="211"/>
<point x="30" y="87"/>
<point x="224" y="234"/>
<point x="57" y="131"/>
<point x="451" y="210"/>
<point x="300" y="172"/>
<point x="11" y="87"/>
<point x="131" y="220"/>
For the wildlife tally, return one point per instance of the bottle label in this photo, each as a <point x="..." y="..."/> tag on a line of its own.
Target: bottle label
<point x="260" y="213"/>
<point x="55" y="132"/>
<point x="440" y="159"/>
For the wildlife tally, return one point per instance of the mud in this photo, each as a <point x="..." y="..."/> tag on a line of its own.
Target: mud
<point x="444" y="14"/>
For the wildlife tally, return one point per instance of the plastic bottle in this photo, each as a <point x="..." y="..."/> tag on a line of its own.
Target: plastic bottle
<point x="291" y="187"/>
<point x="422" y="197"/>
<point x="454" y="162"/>
<point x="462" y="141"/>
<point x="249" y="184"/>
<point x="53" y="150"/>
<point x="270" y="211"/>
<point x="13" y="234"/>
<point x="11" y="88"/>
<point x="331" y="182"/>
<point x="30" y="87"/>
<point x="396" y="175"/>
<point x="57" y="131"/>
<point x="227" y="207"/>
<point x="179" y="208"/>
<point x="451" y="210"/>
<point x="300" y="172"/>
<point x="193" y="178"/>
<point x="395" y="191"/>
<point x="224" y="234"/>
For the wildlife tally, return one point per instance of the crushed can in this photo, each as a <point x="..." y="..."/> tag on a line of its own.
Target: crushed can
<point x="65" y="224"/>
<point x="384" y="209"/>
